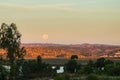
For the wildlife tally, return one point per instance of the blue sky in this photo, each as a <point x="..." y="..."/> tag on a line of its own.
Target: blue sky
<point x="65" y="21"/>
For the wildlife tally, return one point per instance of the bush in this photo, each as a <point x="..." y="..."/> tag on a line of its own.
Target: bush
<point x="62" y="77"/>
<point x="92" y="77"/>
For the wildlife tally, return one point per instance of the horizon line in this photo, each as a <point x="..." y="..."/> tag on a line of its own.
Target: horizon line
<point x="72" y="43"/>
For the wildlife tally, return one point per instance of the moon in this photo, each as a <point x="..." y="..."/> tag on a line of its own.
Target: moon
<point x="45" y="36"/>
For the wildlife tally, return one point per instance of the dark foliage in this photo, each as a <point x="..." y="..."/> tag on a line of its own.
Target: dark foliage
<point x="72" y="66"/>
<point x="74" y="57"/>
<point x="10" y="40"/>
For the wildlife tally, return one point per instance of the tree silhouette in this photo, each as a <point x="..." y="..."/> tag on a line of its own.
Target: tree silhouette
<point x="74" y="57"/>
<point x="71" y="66"/>
<point x="10" y="40"/>
<point x="39" y="59"/>
<point x="100" y="63"/>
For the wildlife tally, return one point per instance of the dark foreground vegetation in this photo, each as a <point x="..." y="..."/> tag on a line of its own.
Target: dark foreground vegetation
<point x="15" y="67"/>
<point x="100" y="69"/>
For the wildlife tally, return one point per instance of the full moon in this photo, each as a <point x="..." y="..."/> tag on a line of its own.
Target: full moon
<point x="45" y="36"/>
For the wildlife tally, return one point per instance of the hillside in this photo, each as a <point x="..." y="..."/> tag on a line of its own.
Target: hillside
<point x="65" y="51"/>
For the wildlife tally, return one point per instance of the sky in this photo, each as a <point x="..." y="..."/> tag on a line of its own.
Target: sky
<point x="64" y="21"/>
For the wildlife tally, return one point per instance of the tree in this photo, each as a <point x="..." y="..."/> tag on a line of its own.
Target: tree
<point x="116" y="70"/>
<point x="107" y="62"/>
<point x="39" y="59"/>
<point x="112" y="69"/>
<point x="3" y="72"/>
<point x="10" y="40"/>
<point x="36" y="68"/>
<point x="74" y="57"/>
<point x="71" y="66"/>
<point x="109" y="69"/>
<point x="100" y="63"/>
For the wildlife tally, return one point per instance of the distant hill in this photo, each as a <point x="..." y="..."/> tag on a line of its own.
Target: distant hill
<point x="65" y="51"/>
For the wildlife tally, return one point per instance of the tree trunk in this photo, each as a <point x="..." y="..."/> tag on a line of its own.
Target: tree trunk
<point x="12" y="75"/>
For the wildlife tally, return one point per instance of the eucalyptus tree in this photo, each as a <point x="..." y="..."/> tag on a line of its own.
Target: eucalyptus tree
<point x="10" y="40"/>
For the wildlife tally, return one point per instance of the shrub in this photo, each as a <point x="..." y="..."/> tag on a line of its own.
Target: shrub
<point x="62" y="77"/>
<point x="92" y="77"/>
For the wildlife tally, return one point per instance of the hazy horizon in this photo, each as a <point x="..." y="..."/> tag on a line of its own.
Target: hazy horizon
<point x="74" y="43"/>
<point x="64" y="21"/>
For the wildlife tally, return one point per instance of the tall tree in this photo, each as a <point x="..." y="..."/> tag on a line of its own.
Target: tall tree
<point x="100" y="63"/>
<point x="10" y="40"/>
<point x="71" y="66"/>
<point x="39" y="59"/>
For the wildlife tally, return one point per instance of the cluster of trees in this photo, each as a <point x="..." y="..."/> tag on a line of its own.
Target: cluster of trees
<point x="101" y="66"/>
<point x="27" y="69"/>
<point x="36" y="69"/>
